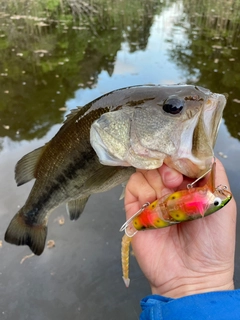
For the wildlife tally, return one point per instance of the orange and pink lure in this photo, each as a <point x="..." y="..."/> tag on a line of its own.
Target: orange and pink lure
<point x="180" y="206"/>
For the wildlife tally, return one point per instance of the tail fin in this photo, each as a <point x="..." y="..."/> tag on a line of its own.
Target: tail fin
<point x="21" y="233"/>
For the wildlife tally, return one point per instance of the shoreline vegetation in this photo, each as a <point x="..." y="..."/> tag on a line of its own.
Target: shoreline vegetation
<point x="51" y="48"/>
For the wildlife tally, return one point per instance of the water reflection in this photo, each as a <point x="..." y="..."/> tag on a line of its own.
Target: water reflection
<point x="45" y="61"/>
<point x="210" y="54"/>
<point x="56" y="60"/>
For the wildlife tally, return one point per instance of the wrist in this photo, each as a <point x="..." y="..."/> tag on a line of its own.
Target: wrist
<point x="193" y="285"/>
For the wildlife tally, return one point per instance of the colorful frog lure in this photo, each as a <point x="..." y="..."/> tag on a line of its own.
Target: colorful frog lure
<point x="184" y="205"/>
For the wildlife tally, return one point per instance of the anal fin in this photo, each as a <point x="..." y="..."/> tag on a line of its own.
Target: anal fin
<point x="75" y="207"/>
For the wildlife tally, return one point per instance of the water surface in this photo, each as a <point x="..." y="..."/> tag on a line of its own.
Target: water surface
<point x="55" y="58"/>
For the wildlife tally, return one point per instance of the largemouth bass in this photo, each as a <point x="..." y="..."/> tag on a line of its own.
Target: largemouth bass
<point x="135" y="127"/>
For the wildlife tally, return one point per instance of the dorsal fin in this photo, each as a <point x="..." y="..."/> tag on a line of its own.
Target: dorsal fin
<point x="25" y="168"/>
<point x="80" y="111"/>
<point x="72" y="114"/>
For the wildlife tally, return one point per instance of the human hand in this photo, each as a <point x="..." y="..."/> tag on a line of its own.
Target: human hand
<point x="186" y="258"/>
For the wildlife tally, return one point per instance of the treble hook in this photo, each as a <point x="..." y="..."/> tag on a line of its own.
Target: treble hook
<point x="125" y="226"/>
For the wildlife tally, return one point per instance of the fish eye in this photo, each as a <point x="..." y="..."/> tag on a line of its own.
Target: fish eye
<point x="173" y="105"/>
<point x="217" y="201"/>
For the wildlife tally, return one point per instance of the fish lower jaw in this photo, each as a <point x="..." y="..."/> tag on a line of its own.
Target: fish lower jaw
<point x="192" y="168"/>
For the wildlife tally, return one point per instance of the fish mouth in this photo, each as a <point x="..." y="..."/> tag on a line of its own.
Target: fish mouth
<point x="194" y="160"/>
<point x="212" y="115"/>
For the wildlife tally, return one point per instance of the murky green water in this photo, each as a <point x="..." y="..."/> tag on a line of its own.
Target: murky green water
<point x="56" y="55"/>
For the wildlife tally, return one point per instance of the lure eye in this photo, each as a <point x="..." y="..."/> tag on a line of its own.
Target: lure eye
<point x="217" y="201"/>
<point x="173" y="105"/>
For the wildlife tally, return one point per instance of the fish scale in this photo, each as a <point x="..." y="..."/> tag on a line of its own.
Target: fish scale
<point x="100" y="145"/>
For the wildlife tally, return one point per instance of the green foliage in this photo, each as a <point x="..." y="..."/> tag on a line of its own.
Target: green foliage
<point x="210" y="55"/>
<point x="52" y="5"/>
<point x="49" y="47"/>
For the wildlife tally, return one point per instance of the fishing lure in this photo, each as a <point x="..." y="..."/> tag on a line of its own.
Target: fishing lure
<point x="180" y="206"/>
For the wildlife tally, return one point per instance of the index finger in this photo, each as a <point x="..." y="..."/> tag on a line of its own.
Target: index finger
<point x="149" y="185"/>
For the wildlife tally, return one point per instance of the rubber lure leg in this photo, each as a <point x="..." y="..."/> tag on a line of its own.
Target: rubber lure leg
<point x="125" y="259"/>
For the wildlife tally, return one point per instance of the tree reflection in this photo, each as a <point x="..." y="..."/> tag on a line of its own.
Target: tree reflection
<point x="209" y="56"/>
<point x="49" y="48"/>
<point x="45" y="58"/>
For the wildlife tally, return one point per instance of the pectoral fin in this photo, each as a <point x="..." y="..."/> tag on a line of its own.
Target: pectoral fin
<point x="106" y="178"/>
<point x="75" y="207"/>
<point x="122" y="196"/>
<point x="103" y="180"/>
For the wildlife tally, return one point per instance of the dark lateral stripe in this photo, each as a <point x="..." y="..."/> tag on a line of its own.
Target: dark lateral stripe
<point x="61" y="181"/>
